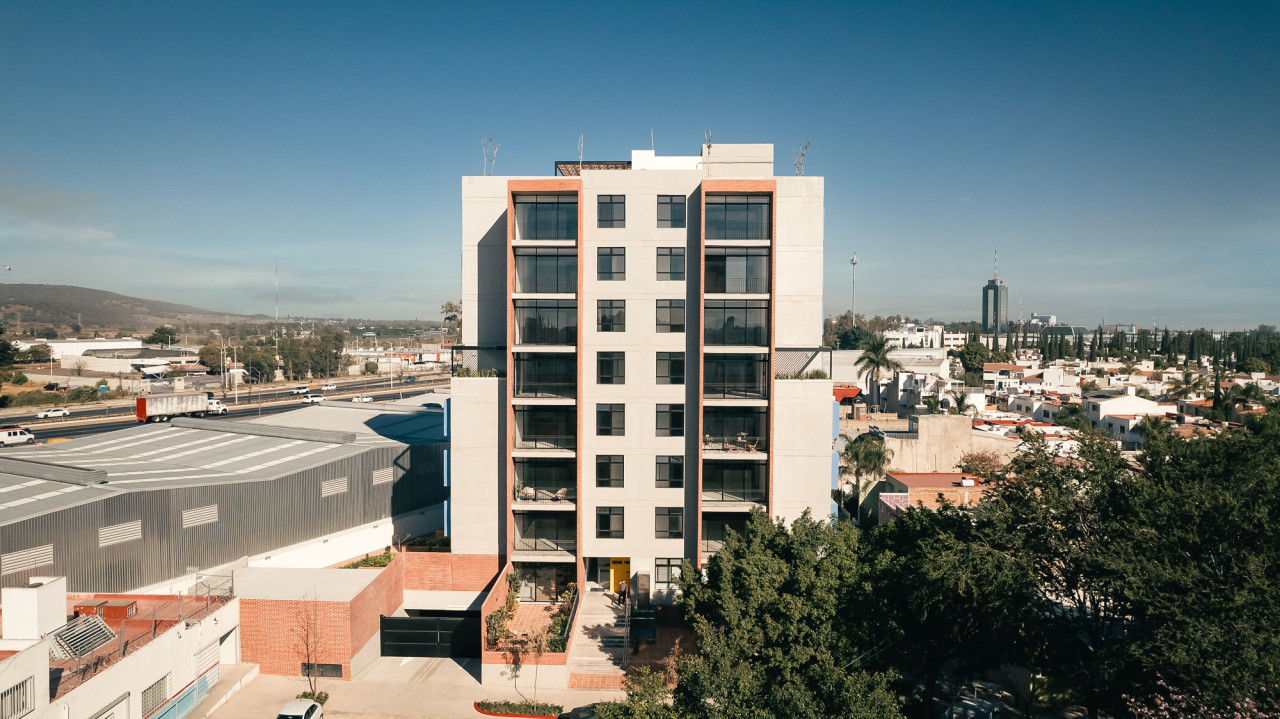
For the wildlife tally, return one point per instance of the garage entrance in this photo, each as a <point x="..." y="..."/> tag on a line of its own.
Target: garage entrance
<point x="430" y="633"/>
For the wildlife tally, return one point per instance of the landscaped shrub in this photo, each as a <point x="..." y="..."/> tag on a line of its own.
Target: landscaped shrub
<point x="318" y="697"/>
<point x="558" y="632"/>
<point x="534" y="708"/>
<point x="34" y="397"/>
<point x="18" y="379"/>
<point x="428" y="541"/>
<point x="376" y="560"/>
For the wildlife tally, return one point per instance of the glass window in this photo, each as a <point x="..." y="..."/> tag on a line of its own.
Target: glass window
<point x="671" y="315"/>
<point x="737" y="270"/>
<point x="611" y="315"/>
<point x="671" y="420"/>
<point x="609" y="522"/>
<point x="670" y="368"/>
<point x="738" y="217"/>
<point x="610" y="367"/>
<point x="610" y="420"/>
<point x="546" y="217"/>
<point x="546" y="269"/>
<point x="737" y="322"/>
<point x="611" y="263"/>
<point x="669" y="522"/>
<point x="546" y="322"/>
<point x="546" y="427"/>
<point x="546" y="374"/>
<point x="611" y="211"/>
<point x="666" y="572"/>
<point x="671" y="263"/>
<point x="670" y="471"/>
<point x="741" y="376"/>
<point x="608" y="470"/>
<point x="670" y="210"/>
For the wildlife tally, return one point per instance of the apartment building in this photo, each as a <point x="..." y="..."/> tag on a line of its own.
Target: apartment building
<point x="635" y="332"/>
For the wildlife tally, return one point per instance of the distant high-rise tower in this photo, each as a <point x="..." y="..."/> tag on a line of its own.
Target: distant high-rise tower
<point x="995" y="303"/>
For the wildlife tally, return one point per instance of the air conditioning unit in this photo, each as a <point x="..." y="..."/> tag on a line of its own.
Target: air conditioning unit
<point x="967" y="482"/>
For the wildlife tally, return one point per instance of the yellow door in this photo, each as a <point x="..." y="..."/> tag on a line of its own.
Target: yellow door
<point x="619" y="572"/>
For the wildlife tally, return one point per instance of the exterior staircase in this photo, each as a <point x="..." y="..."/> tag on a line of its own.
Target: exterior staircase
<point x="597" y="653"/>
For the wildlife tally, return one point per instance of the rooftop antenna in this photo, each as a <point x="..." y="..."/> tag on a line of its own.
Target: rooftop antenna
<point x="490" y="154"/>
<point x="995" y="268"/>
<point x="580" y="138"/>
<point x="652" y="149"/>
<point x="797" y="155"/>
<point x="276" y="328"/>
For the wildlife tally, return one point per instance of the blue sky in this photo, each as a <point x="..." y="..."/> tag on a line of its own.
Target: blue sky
<point x="1123" y="157"/>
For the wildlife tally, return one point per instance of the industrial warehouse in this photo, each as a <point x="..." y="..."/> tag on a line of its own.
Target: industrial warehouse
<point x="155" y="503"/>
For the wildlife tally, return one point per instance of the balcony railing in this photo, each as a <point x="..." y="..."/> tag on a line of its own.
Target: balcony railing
<point x="547" y="390"/>
<point x="741" y="285"/>
<point x="567" y="335"/>
<point x="735" y="443"/>
<point x="733" y="390"/>
<point x="713" y="494"/>
<point x="802" y="363"/>
<point x="486" y="361"/>
<point x="710" y="546"/>
<point x="737" y="230"/>
<point x="540" y="544"/>
<point x="546" y="441"/>
<point x="738" y="336"/>
<point x="546" y="493"/>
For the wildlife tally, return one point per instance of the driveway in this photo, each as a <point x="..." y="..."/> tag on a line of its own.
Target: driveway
<point x="392" y="688"/>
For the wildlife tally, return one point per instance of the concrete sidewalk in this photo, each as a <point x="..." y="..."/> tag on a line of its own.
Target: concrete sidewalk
<point x="393" y="688"/>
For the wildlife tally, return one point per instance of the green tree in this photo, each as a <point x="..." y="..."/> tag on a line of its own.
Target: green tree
<point x="863" y="456"/>
<point x="876" y="360"/>
<point x="1073" y="415"/>
<point x="371" y="368"/>
<point x="774" y="637"/>
<point x="959" y="401"/>
<point x="647" y="698"/>
<point x="973" y="355"/>
<point x="1189" y="385"/>
<point x="1255" y="364"/>
<point x="39" y="353"/>
<point x="211" y="357"/>
<point x="163" y="335"/>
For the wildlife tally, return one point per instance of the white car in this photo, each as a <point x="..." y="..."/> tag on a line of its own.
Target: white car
<point x="300" y="390"/>
<point x="16" y="435"/>
<point x="313" y="399"/>
<point x="329" y="387"/>
<point x="55" y="412"/>
<point x="362" y="398"/>
<point x="301" y="709"/>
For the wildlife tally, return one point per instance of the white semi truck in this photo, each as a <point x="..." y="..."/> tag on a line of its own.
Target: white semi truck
<point x="159" y="408"/>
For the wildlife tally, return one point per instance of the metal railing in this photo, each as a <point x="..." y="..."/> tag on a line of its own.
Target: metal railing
<point x="541" y="544"/>
<point x="546" y="441"/>
<point x="712" y="494"/>
<point x="481" y="361"/>
<point x="802" y="363"/>
<point x="567" y="335"/>
<point x="547" y="390"/>
<point x="733" y="390"/>
<point x="741" y="285"/>
<point x="730" y="230"/>
<point x="737" y="336"/>
<point x="734" y="443"/>
<point x="546" y="493"/>
<point x="710" y="546"/>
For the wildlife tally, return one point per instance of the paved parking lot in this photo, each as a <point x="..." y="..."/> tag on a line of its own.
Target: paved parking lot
<point x="391" y="688"/>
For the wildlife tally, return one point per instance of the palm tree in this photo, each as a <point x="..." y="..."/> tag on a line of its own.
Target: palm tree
<point x="1129" y="366"/>
<point x="1151" y="427"/>
<point x="1189" y="384"/>
<point x="959" y="401"/>
<point x="932" y="405"/>
<point x="1241" y="394"/>
<point x="864" y="455"/>
<point x="874" y="362"/>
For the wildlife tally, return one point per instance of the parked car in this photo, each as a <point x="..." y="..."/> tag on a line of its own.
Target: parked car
<point x="362" y="398"/>
<point x="300" y="390"/>
<point x="313" y="399"/>
<point x="411" y="379"/>
<point x="53" y="412"/>
<point x="16" y="435"/>
<point x="301" y="709"/>
<point x="329" y="387"/>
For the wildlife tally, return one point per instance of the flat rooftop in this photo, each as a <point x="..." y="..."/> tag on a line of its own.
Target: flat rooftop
<point x="932" y="480"/>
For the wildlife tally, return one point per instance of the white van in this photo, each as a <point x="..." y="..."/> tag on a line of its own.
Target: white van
<point x="16" y="436"/>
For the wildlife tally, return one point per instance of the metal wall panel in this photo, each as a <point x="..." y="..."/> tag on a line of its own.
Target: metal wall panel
<point x="253" y="517"/>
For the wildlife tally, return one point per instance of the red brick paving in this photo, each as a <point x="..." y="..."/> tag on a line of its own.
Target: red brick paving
<point x="532" y="617"/>
<point x="596" y="681"/>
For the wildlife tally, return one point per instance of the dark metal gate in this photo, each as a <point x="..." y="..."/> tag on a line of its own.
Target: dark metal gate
<point x="432" y="634"/>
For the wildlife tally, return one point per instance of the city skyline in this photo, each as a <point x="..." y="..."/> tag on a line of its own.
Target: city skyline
<point x="1107" y="151"/>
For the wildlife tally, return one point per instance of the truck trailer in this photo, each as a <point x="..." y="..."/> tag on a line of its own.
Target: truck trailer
<point x="159" y="408"/>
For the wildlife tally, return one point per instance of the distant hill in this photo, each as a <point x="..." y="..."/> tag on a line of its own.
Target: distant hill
<point x="59" y="305"/>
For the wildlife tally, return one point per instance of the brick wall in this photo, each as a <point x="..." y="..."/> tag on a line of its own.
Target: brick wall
<point x="269" y="634"/>
<point x="381" y="598"/>
<point x="448" y="572"/>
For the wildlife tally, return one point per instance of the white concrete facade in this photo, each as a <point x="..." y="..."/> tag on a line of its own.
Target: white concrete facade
<point x="795" y="417"/>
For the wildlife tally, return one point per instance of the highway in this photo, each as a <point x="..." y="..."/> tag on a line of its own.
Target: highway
<point x="95" y="420"/>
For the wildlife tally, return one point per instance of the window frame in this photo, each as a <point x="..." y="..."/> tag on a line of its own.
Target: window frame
<point x="668" y="461"/>
<point x="667" y="415"/>
<point x="616" y="258"/>
<point x="615" y="466"/>
<point x="670" y="203"/>
<point x="615" y="411"/>
<point x="617" y="363"/>
<point x="616" y="529"/>
<point x="665" y="360"/>
<point x="671" y="253"/>
<point x="617" y="211"/>
<point x="673" y="516"/>
<point x="616" y="320"/>
<point x="669" y="326"/>
<point x="672" y="565"/>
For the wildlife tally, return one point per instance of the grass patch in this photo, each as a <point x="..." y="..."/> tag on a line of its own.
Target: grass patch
<point x="375" y="560"/>
<point x="536" y="708"/>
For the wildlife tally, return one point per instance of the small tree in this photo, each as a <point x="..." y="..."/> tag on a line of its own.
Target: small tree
<point x="371" y="368"/>
<point x="307" y="643"/>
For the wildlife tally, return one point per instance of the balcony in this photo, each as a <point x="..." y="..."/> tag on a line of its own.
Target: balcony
<point x="735" y="376"/>
<point x="737" y="270"/>
<point x="545" y="483"/>
<point x="547" y="535"/>
<point x="546" y="390"/>
<point x="547" y="441"/>
<point x="542" y="375"/>
<point x="488" y="361"/>
<point x="715" y="529"/>
<point x="757" y="336"/>
<point x="733" y="390"/>
<point x="545" y="544"/>
<point x="735" y="444"/>
<point x="737" y="217"/>
<point x="736" y="495"/>
<point x="546" y="322"/>
<point x="546" y="217"/>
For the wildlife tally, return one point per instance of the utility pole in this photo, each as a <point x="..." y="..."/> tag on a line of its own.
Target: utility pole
<point x="853" y="264"/>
